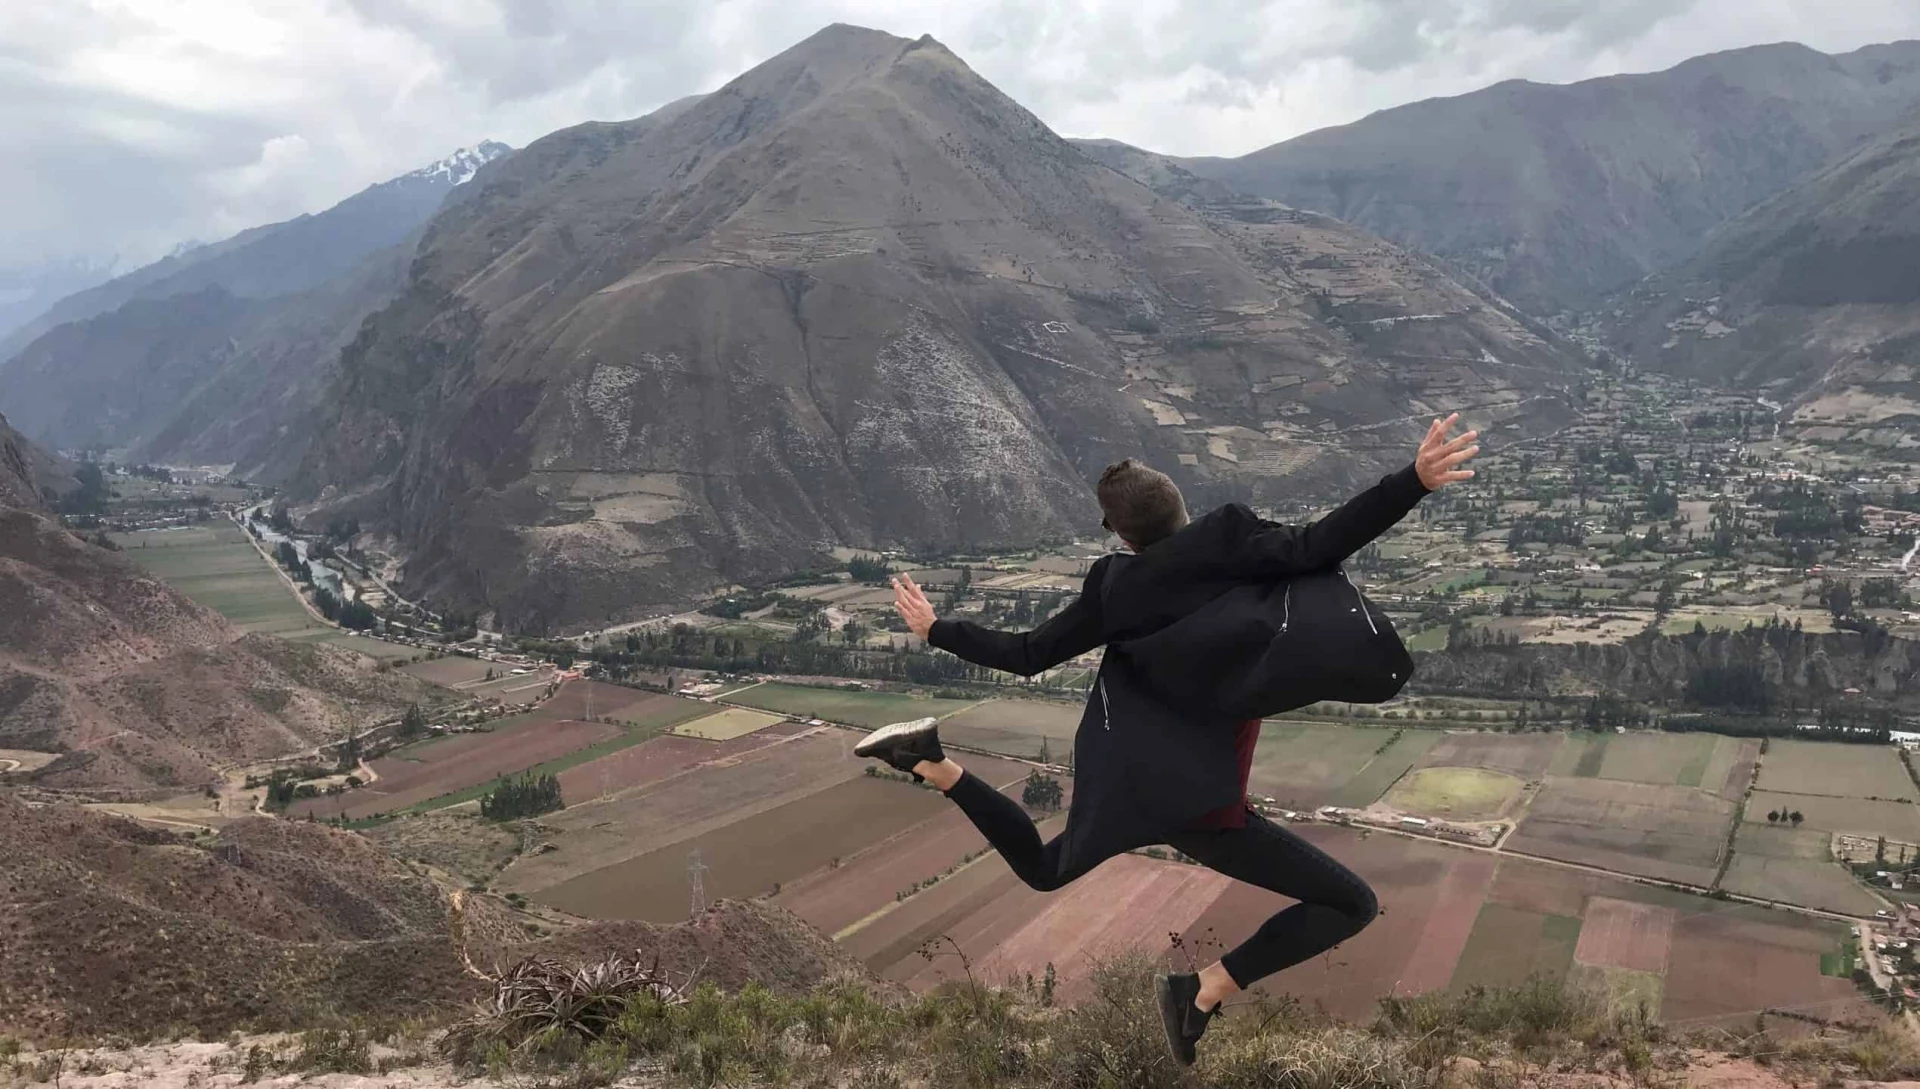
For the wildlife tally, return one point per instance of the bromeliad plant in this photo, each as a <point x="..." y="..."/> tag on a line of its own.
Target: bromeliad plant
<point x="540" y="1002"/>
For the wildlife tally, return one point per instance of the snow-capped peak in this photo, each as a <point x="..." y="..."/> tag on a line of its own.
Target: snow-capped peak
<point x="460" y="167"/>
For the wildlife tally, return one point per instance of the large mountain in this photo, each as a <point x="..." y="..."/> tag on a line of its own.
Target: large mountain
<point x="217" y="355"/>
<point x="1555" y="195"/>
<point x="858" y="296"/>
<point x="1813" y="296"/>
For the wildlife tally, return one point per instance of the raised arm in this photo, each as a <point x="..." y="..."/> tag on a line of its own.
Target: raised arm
<point x="1320" y="545"/>
<point x="1070" y="632"/>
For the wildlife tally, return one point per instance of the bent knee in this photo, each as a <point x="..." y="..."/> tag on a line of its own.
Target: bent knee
<point x="1361" y="907"/>
<point x="1042" y="882"/>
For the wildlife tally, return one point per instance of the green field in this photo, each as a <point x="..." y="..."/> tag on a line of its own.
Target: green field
<point x="1305" y="765"/>
<point x="1386" y="768"/>
<point x="848" y="706"/>
<point x="727" y="725"/>
<point x="1467" y="794"/>
<point x="1657" y="758"/>
<point x="217" y="566"/>
<point x="1835" y="769"/>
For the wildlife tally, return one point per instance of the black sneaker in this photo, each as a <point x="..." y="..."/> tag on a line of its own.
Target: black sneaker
<point x="904" y="744"/>
<point x="1184" y="1023"/>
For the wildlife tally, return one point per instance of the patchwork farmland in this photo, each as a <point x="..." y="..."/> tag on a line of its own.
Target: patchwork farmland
<point x="779" y="808"/>
<point x="555" y="738"/>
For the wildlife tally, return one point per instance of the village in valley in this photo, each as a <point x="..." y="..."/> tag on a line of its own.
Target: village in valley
<point x="1655" y="726"/>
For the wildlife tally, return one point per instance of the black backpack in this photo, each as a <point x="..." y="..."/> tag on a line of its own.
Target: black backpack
<point x="1259" y="650"/>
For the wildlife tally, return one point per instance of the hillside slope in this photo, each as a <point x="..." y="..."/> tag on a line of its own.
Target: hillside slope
<point x="28" y="474"/>
<point x="116" y="928"/>
<point x="1555" y="195"/>
<point x="1813" y="296"/>
<point x="139" y="688"/>
<point x="217" y="356"/>
<point x="856" y="296"/>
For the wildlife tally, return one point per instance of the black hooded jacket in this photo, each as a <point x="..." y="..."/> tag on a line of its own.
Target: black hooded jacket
<point x="1233" y="617"/>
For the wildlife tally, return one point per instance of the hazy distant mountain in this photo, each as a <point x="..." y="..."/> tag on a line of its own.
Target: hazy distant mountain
<point x="27" y="290"/>
<point x="1814" y="295"/>
<point x="215" y="355"/>
<point x="860" y="296"/>
<point x="1555" y="195"/>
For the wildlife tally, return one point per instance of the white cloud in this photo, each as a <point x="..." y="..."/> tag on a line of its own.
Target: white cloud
<point x="134" y="124"/>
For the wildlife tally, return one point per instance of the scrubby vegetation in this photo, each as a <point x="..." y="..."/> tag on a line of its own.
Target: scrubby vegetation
<point x="592" y="1026"/>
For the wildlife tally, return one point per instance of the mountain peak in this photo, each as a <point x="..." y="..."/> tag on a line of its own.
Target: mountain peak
<point x="460" y="167"/>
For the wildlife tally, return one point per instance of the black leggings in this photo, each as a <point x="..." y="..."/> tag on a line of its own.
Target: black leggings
<point x="1334" y="903"/>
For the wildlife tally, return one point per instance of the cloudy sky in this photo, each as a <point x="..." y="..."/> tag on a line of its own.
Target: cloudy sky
<point x="133" y="125"/>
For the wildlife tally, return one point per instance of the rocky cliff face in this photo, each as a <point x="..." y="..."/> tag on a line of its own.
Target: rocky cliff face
<point x="858" y="296"/>
<point x="1556" y="195"/>
<point x="1813" y="296"/>
<point x="1795" y="666"/>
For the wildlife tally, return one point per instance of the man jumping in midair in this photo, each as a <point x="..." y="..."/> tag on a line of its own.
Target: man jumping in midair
<point x="1203" y="634"/>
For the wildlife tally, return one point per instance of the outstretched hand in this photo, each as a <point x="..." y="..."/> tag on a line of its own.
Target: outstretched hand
<point x="1440" y="457"/>
<point x="912" y="605"/>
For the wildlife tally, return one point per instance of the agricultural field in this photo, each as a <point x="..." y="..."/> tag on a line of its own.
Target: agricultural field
<point x="1858" y="816"/>
<point x="1794" y="866"/>
<point x="849" y="706"/>
<point x="1461" y="794"/>
<point x="1525" y="756"/>
<point x="658" y="758"/>
<point x="728" y="724"/>
<point x="453" y="671"/>
<point x="764" y="809"/>
<point x="359" y="644"/>
<point x="1672" y="949"/>
<point x="752" y="855"/>
<point x="1834" y="787"/>
<point x="1723" y="765"/>
<point x="1016" y="727"/>
<point x="1451" y="918"/>
<point x="1835" y="770"/>
<point x="216" y="565"/>
<point x="1669" y="832"/>
<point x="448" y="765"/>
<point x="1308" y="765"/>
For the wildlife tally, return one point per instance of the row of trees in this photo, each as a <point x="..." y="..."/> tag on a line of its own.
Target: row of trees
<point x="357" y="615"/>
<point x="686" y="647"/>
<point x="528" y="795"/>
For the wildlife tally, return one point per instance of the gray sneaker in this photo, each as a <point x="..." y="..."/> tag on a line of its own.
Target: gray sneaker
<point x="904" y="744"/>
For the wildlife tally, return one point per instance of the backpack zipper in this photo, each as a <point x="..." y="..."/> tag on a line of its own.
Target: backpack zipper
<point x="1286" y="608"/>
<point x="1362" y="606"/>
<point x="1106" y="708"/>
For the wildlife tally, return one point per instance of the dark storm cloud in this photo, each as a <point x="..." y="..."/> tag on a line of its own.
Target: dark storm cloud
<point x="133" y="126"/>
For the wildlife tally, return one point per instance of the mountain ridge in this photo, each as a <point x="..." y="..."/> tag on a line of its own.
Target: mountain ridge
<point x="1556" y="194"/>
<point x="857" y="295"/>
<point x="215" y="356"/>
<point x="1813" y="296"/>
